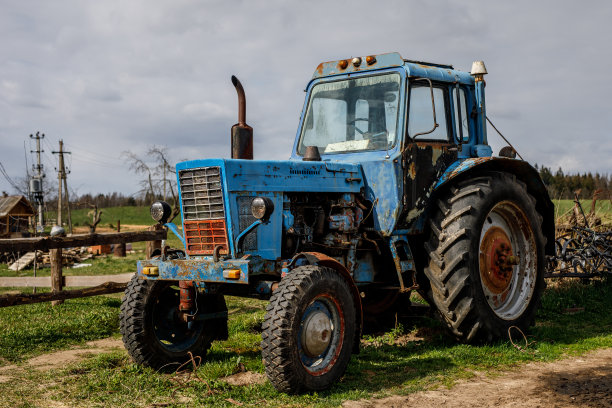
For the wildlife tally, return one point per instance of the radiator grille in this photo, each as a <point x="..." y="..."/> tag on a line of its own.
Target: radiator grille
<point x="203" y="210"/>
<point x="245" y="219"/>
<point x="202" y="194"/>
<point x="204" y="236"/>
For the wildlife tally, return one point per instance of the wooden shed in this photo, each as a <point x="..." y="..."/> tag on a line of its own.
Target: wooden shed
<point x="15" y="213"/>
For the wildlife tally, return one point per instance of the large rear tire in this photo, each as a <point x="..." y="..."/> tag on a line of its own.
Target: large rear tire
<point x="309" y="330"/>
<point x="152" y="331"/>
<point x="487" y="260"/>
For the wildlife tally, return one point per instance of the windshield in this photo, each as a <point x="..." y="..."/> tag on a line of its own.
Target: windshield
<point x="351" y="115"/>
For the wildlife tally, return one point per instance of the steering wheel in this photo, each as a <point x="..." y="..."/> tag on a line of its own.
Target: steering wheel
<point x="352" y="122"/>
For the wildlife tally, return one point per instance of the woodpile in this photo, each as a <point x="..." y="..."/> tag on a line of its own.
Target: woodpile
<point x="69" y="257"/>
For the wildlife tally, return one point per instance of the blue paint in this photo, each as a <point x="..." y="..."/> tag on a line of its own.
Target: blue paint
<point x="202" y="269"/>
<point x="246" y="231"/>
<point x="172" y="227"/>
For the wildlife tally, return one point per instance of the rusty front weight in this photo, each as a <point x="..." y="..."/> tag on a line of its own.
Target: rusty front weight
<point x="187" y="296"/>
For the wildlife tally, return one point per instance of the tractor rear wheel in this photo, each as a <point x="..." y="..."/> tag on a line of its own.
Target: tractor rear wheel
<point x="153" y="332"/>
<point x="309" y="330"/>
<point x="487" y="260"/>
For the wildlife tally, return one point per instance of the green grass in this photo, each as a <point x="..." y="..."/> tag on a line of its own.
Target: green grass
<point x="603" y="208"/>
<point x="382" y="367"/>
<point x="128" y="216"/>
<point x="31" y="330"/>
<point x="101" y="265"/>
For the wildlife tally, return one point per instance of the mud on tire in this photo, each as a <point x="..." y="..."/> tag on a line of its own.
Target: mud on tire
<point x="486" y="266"/>
<point x="309" y="330"/>
<point x="153" y="334"/>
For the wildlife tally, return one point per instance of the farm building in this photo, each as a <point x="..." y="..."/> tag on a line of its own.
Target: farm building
<point x="15" y="213"/>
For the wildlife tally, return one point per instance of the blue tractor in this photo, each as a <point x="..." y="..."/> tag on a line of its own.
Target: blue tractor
<point x="391" y="187"/>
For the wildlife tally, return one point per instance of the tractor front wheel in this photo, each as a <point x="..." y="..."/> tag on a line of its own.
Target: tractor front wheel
<point x="154" y="333"/>
<point x="309" y="330"/>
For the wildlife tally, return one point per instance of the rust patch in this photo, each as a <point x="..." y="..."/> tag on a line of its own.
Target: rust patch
<point x="496" y="260"/>
<point x="320" y="69"/>
<point x="412" y="170"/>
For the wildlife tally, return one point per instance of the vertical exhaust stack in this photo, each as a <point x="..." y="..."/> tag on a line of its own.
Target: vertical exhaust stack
<point x="242" y="134"/>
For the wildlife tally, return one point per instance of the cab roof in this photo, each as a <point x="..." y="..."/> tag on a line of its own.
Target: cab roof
<point x="437" y="72"/>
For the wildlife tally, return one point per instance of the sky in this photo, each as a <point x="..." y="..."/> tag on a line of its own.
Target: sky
<point x="113" y="76"/>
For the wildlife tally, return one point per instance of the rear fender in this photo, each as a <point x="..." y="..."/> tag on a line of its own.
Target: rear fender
<point x="317" y="258"/>
<point x="474" y="167"/>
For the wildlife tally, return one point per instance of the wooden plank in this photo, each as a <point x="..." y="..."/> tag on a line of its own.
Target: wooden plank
<point x="24" y="299"/>
<point x="153" y="245"/>
<point x="25" y="281"/>
<point x="47" y="243"/>
<point x="71" y="281"/>
<point x="94" y="280"/>
<point x="22" y="262"/>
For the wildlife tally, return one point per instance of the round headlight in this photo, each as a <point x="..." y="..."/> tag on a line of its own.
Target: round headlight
<point x="261" y="207"/>
<point x="160" y="211"/>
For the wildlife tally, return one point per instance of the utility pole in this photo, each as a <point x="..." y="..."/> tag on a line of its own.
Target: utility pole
<point x="36" y="184"/>
<point x="61" y="176"/>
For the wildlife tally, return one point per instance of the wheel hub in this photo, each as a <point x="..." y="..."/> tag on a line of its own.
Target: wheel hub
<point x="496" y="260"/>
<point x="316" y="333"/>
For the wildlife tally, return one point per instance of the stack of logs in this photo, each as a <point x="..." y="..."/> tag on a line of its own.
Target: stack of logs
<point x="69" y="257"/>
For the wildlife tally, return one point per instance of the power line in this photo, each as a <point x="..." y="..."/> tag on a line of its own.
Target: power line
<point x="6" y="176"/>
<point x="91" y="160"/>
<point x="97" y="155"/>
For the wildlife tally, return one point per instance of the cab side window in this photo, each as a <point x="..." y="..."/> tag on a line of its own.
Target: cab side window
<point x="461" y="115"/>
<point x="420" y="113"/>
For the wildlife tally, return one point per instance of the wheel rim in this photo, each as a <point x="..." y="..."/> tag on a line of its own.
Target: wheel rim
<point x="507" y="260"/>
<point x="172" y="333"/>
<point x="321" y="334"/>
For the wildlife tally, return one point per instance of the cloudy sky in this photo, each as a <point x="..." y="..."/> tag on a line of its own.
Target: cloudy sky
<point x="109" y="76"/>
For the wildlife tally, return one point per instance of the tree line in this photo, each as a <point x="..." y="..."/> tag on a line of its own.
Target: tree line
<point x="562" y="186"/>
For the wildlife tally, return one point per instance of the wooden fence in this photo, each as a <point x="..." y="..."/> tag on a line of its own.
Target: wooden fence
<point x="95" y="285"/>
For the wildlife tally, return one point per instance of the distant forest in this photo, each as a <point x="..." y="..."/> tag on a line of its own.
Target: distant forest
<point x="561" y="185"/>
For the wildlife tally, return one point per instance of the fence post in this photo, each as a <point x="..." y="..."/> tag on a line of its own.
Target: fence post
<point x="57" y="280"/>
<point x="119" y="249"/>
<point x="152" y="246"/>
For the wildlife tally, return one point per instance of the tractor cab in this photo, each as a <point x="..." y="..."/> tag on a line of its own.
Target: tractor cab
<point x="398" y="119"/>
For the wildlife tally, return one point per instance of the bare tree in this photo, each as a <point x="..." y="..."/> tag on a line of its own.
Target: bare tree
<point x="140" y="167"/>
<point x="164" y="169"/>
<point x="159" y="175"/>
<point x="94" y="214"/>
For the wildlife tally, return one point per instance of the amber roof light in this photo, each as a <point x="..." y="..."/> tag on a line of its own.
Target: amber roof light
<point x="370" y="59"/>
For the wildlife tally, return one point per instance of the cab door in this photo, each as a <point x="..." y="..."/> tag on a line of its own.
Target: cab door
<point x="430" y="143"/>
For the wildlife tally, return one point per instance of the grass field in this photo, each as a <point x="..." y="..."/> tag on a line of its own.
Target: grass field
<point x="127" y="215"/>
<point x="603" y="208"/>
<point x="414" y="355"/>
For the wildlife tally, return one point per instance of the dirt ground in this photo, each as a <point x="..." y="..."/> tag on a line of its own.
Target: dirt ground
<point x="584" y="381"/>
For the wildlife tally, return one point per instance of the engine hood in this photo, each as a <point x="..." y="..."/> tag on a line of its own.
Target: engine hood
<point x="284" y="176"/>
